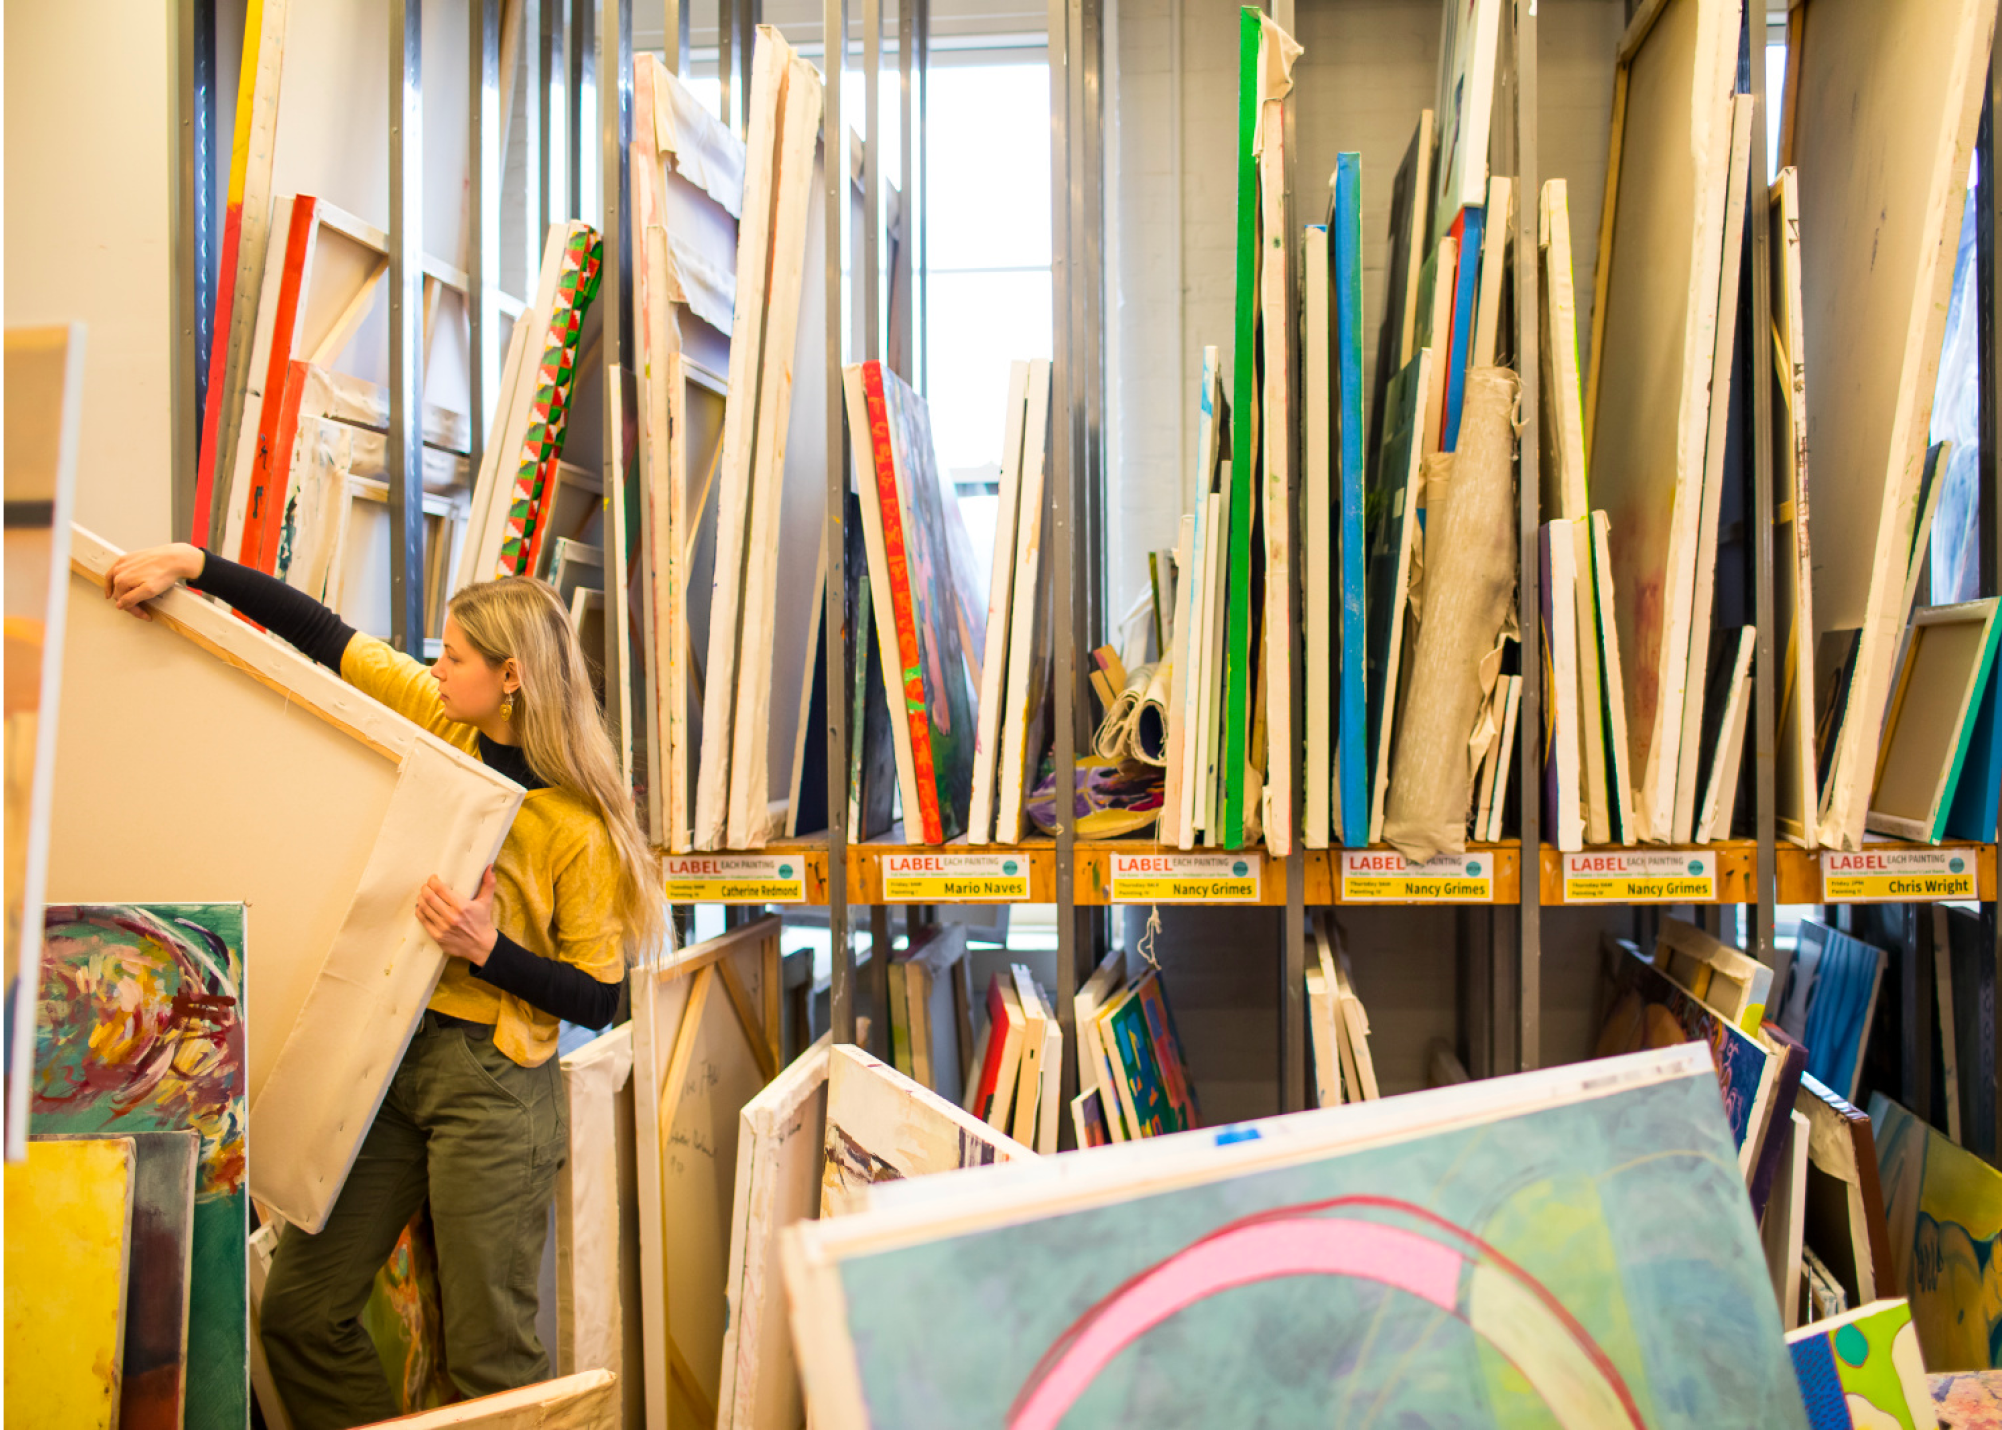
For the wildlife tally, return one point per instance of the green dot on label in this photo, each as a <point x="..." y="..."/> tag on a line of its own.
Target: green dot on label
<point x="1473" y="866"/>
<point x="1009" y="866"/>
<point x="1696" y="866"/>
<point x="1956" y="864"/>
<point x="785" y="871"/>
<point x="1240" y="868"/>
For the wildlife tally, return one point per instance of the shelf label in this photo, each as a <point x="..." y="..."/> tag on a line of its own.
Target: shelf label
<point x="736" y="878"/>
<point x="1903" y="876"/>
<point x="1626" y="876"/>
<point x="928" y="877"/>
<point x="1186" y="878"/>
<point x="1383" y="876"/>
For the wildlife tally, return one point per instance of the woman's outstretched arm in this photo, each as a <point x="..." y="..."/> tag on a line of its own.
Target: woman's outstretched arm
<point x="291" y="615"/>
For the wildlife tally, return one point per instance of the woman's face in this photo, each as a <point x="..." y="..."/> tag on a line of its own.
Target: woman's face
<point x="469" y="687"/>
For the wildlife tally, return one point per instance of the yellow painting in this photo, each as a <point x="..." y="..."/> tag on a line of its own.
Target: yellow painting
<point x="69" y="1218"/>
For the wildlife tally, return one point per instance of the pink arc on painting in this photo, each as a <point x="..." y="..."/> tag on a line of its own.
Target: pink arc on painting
<point x="1299" y="1241"/>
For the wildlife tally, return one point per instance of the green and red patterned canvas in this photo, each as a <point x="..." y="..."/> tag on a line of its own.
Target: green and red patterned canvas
<point x="582" y="257"/>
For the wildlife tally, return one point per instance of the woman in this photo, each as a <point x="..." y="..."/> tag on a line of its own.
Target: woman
<point x="475" y="1118"/>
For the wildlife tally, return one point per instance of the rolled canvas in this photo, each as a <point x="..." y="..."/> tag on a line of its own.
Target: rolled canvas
<point x="1469" y="577"/>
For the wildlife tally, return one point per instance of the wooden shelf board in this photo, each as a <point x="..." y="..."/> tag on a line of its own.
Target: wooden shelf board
<point x="1737" y="868"/>
<point x="1800" y="869"/>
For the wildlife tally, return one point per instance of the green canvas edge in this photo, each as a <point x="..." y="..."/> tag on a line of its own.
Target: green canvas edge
<point x="1244" y="400"/>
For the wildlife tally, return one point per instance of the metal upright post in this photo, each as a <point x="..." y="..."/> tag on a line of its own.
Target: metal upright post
<point x="902" y="316"/>
<point x="558" y="140"/>
<point x="581" y="93"/>
<point x="1529" y="920"/>
<point x="1987" y="259"/>
<point x="920" y="179"/>
<point x="1292" y="1047"/>
<point x="871" y="254"/>
<point x="1066" y="417"/>
<point x="726" y="86"/>
<point x="534" y="94"/>
<point x="674" y="35"/>
<point x="483" y="160"/>
<point x="1758" y="224"/>
<point x="841" y="993"/>
<point x="615" y="290"/>
<point x="406" y="326"/>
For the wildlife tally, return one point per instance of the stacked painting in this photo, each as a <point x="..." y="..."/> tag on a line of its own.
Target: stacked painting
<point x="769" y="564"/>
<point x="141" y="1035"/>
<point x="1016" y="655"/>
<point x="688" y="195"/>
<point x="915" y="577"/>
<point x="1463" y="1256"/>
<point x="512" y="499"/>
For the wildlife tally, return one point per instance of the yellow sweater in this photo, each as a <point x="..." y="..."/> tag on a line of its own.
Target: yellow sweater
<point x="555" y="881"/>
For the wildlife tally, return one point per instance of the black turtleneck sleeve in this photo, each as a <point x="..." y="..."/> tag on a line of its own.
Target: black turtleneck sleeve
<point x="291" y="615"/>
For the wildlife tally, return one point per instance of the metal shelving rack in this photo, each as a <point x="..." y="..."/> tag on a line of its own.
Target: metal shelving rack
<point x="1504" y="976"/>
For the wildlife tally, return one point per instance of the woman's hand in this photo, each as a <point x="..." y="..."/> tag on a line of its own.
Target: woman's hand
<point x="139" y="576"/>
<point x="464" y="928"/>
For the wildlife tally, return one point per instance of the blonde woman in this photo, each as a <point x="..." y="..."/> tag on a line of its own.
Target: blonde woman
<point x="475" y="1119"/>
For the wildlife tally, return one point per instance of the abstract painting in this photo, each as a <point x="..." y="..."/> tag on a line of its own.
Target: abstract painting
<point x="152" y="1377"/>
<point x="405" y="1317"/>
<point x="141" y="1030"/>
<point x="1861" y="1371"/>
<point x="1570" y="1248"/>
<point x="884" y="1127"/>
<point x="64" y="1350"/>
<point x="1943" y="1208"/>
<point x="44" y="371"/>
<point x="1651" y="1010"/>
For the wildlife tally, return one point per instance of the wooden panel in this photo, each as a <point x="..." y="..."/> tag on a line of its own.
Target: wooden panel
<point x="779" y="1160"/>
<point x="695" y="1069"/>
<point x="1884" y="126"/>
<point x="1654" y="328"/>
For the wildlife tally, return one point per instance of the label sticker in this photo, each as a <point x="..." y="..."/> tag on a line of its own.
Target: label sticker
<point x="1666" y="876"/>
<point x="922" y="878"/>
<point x="736" y="879"/>
<point x="1186" y="878"/>
<point x="1371" y="876"/>
<point x="1896" y="875"/>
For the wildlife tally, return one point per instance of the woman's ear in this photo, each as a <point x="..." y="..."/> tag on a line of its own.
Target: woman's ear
<point x="510" y="676"/>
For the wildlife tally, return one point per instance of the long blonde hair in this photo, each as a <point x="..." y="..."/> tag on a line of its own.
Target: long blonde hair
<point x="562" y="733"/>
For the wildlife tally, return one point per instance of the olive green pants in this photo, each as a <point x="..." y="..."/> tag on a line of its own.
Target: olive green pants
<point x="482" y="1138"/>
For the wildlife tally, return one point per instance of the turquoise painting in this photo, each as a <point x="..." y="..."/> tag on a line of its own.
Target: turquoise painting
<point x="140" y="1029"/>
<point x="1590" y="1263"/>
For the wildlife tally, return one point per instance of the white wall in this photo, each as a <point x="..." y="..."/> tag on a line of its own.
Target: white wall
<point x="88" y="159"/>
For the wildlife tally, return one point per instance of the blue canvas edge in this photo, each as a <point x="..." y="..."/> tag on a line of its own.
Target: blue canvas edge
<point x="1963" y="819"/>
<point x="1466" y="290"/>
<point x="1353" y="722"/>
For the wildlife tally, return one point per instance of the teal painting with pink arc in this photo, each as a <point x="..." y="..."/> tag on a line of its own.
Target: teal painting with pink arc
<point x="1577" y="1255"/>
<point x="140" y="1029"/>
<point x="549" y="415"/>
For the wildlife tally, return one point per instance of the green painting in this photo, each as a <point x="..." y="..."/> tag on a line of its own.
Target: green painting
<point x="140" y="1029"/>
<point x="1571" y="1248"/>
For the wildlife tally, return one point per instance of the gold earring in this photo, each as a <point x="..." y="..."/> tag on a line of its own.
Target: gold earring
<point x="507" y="706"/>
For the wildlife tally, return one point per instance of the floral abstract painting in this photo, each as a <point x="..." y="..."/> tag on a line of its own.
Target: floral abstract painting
<point x="140" y="1029"/>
